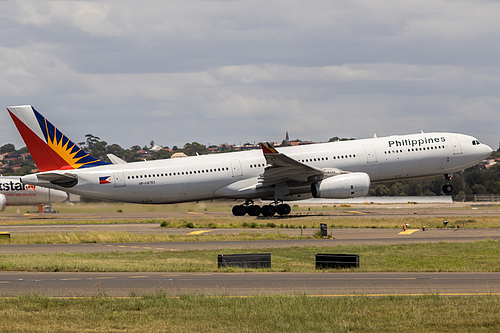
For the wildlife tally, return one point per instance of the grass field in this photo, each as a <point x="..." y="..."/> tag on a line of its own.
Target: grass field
<point x="128" y="237"/>
<point x="159" y="313"/>
<point x="334" y="217"/>
<point x="286" y="223"/>
<point x="436" y="257"/>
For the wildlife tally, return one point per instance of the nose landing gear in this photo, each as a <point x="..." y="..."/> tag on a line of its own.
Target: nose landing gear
<point x="447" y="188"/>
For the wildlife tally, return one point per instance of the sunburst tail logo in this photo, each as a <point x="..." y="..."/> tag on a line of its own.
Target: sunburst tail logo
<point x="68" y="151"/>
<point x="49" y="148"/>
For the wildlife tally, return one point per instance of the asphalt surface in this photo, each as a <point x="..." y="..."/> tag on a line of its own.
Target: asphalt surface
<point x="63" y="284"/>
<point x="244" y="284"/>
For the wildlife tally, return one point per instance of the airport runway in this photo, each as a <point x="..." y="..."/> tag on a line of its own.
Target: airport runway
<point x="244" y="284"/>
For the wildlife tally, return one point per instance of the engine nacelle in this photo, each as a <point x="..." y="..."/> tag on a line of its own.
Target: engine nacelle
<point x="351" y="185"/>
<point x="3" y="202"/>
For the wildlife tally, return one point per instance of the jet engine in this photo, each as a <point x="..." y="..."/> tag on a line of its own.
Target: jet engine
<point x="344" y="186"/>
<point x="3" y="202"/>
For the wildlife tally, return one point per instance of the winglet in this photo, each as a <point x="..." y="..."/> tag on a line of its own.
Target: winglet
<point x="267" y="148"/>
<point x="115" y="159"/>
<point x="50" y="149"/>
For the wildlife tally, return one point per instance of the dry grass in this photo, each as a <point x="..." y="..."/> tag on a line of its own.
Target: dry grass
<point x="127" y="237"/>
<point x="159" y="313"/>
<point x="294" y="221"/>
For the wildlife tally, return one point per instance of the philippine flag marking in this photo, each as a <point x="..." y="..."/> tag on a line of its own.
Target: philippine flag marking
<point x="105" y="180"/>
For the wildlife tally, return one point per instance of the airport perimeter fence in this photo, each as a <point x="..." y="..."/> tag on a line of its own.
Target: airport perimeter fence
<point x="486" y="197"/>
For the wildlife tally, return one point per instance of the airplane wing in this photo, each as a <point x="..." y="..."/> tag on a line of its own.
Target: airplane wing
<point x="283" y="168"/>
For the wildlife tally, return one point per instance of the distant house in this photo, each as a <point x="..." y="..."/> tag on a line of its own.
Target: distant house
<point x="178" y="155"/>
<point x="488" y="163"/>
<point x="155" y="148"/>
<point x="12" y="156"/>
<point x="25" y="156"/>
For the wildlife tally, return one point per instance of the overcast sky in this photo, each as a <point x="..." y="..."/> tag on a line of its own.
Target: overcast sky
<point x="244" y="71"/>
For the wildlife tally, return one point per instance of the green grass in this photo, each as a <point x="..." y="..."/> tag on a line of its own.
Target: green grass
<point x="292" y="222"/>
<point x="436" y="257"/>
<point x="159" y="313"/>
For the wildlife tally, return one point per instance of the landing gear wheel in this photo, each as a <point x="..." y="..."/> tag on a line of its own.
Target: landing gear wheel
<point x="447" y="189"/>
<point x="254" y="210"/>
<point x="283" y="209"/>
<point x="268" y="210"/>
<point x="239" y="210"/>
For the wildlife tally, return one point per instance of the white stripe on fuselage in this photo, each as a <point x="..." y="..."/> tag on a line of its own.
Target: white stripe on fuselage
<point x="199" y="177"/>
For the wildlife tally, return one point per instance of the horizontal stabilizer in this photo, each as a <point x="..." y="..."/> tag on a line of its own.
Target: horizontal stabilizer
<point x="65" y="180"/>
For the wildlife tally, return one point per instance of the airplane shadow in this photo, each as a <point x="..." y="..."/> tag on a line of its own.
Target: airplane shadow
<point x="293" y="216"/>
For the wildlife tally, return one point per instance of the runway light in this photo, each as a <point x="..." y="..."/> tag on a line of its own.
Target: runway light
<point x="423" y="228"/>
<point x="445" y="223"/>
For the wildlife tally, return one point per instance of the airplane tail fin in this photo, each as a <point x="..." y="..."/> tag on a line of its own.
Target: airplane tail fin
<point x="50" y="149"/>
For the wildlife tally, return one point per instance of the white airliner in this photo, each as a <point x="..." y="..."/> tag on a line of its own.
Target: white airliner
<point x="325" y="170"/>
<point x="15" y="193"/>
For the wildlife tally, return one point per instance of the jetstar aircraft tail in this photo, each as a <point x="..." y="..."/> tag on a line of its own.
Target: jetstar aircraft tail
<point x="50" y="149"/>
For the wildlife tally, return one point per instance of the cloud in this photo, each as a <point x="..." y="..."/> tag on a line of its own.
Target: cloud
<point x="231" y="71"/>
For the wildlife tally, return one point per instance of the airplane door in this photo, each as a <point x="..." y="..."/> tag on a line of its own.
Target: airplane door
<point x="236" y="168"/>
<point x="371" y="156"/>
<point x="119" y="179"/>
<point x="457" y="148"/>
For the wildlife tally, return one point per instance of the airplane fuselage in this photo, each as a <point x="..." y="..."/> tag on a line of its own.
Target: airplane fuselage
<point x="236" y="175"/>
<point x="17" y="193"/>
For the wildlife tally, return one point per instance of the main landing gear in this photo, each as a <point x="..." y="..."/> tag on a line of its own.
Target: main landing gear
<point x="447" y="188"/>
<point x="255" y="210"/>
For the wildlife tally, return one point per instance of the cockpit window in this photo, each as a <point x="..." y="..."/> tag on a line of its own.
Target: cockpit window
<point x="475" y="142"/>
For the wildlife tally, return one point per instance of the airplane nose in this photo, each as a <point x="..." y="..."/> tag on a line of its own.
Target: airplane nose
<point x="58" y="196"/>
<point x="487" y="150"/>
